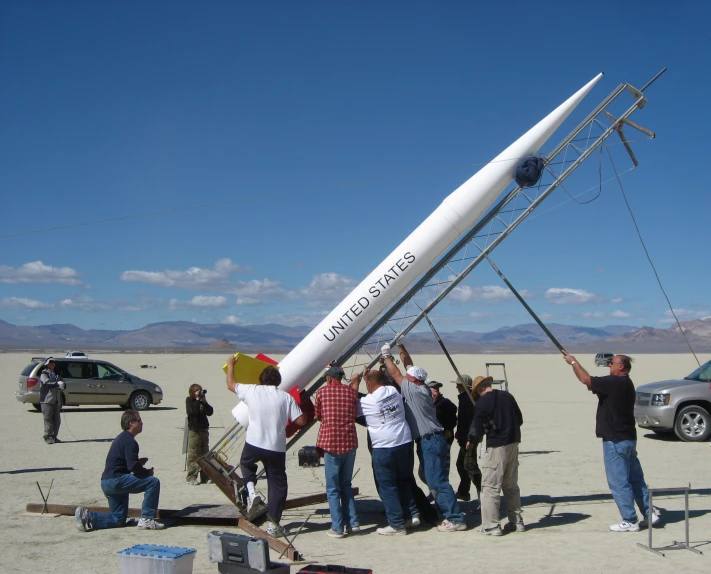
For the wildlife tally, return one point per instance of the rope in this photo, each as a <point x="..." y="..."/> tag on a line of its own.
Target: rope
<point x="649" y="258"/>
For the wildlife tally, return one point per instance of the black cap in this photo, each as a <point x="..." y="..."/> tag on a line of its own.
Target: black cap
<point x="335" y="372"/>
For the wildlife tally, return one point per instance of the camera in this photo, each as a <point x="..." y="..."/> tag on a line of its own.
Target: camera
<point x="202" y="393"/>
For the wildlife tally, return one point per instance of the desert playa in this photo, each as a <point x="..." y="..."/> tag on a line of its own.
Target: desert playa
<point x="567" y="505"/>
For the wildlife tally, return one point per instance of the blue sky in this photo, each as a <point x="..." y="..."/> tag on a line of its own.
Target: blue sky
<point x="321" y="134"/>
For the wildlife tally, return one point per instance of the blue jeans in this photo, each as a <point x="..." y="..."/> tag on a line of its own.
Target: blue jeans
<point x="434" y="452"/>
<point x="116" y="491"/>
<point x="393" y="469"/>
<point x="625" y="477"/>
<point x="341" y="502"/>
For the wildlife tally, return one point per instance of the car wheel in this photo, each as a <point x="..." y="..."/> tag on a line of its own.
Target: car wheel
<point x="693" y="424"/>
<point x="38" y="406"/>
<point x="140" y="401"/>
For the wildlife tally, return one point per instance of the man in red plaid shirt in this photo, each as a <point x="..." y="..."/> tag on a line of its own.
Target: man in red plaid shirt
<point x="335" y="406"/>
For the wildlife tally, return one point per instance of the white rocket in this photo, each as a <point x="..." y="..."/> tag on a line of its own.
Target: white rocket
<point x="456" y="215"/>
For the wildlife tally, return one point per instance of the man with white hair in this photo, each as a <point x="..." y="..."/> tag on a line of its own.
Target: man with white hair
<point x="432" y="447"/>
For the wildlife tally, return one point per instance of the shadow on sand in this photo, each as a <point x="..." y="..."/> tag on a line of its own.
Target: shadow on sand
<point x="26" y="470"/>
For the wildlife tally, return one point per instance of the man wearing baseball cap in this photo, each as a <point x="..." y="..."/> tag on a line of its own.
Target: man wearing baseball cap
<point x="432" y="448"/>
<point x="497" y="424"/>
<point x="335" y="406"/>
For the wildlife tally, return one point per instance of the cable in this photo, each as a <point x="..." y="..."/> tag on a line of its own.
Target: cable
<point x="649" y="258"/>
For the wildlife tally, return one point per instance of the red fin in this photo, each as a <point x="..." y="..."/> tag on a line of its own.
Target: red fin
<point x="262" y="357"/>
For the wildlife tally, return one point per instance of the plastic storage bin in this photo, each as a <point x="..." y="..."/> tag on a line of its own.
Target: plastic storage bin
<point x="156" y="559"/>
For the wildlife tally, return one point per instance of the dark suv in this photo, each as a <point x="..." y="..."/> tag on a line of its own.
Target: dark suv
<point x="90" y="382"/>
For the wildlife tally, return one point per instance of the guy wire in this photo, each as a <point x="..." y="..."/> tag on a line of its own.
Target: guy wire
<point x="649" y="258"/>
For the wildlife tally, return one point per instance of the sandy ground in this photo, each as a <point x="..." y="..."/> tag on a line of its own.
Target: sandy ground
<point x="567" y="505"/>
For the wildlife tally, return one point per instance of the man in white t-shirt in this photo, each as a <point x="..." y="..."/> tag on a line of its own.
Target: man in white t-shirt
<point x="384" y="414"/>
<point x="269" y="411"/>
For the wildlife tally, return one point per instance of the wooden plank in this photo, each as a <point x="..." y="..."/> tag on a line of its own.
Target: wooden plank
<point x="205" y="514"/>
<point x="311" y="499"/>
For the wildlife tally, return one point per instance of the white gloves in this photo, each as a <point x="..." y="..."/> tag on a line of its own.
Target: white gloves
<point x="385" y="351"/>
<point x="62" y="385"/>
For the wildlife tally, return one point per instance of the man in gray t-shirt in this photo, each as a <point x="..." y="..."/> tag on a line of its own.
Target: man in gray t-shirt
<point x="432" y="447"/>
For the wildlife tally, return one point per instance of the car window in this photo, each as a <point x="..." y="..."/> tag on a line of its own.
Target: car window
<point x="74" y="369"/>
<point x="109" y="372"/>
<point x="28" y="369"/>
<point x="703" y="373"/>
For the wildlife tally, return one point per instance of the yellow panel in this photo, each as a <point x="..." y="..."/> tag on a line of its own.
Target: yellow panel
<point x="247" y="369"/>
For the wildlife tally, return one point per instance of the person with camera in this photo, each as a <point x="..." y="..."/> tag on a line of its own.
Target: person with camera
<point x="124" y="474"/>
<point x="497" y="426"/>
<point x="197" y="409"/>
<point x="51" y="387"/>
<point x="615" y="425"/>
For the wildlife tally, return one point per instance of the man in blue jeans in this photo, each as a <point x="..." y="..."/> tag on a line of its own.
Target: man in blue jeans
<point x="124" y="474"/>
<point x="432" y="447"/>
<point x="335" y="406"/>
<point x="390" y="435"/>
<point x="615" y="425"/>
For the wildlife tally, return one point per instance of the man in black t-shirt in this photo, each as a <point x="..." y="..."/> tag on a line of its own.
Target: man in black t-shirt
<point x="497" y="420"/>
<point x="615" y="425"/>
<point x="124" y="474"/>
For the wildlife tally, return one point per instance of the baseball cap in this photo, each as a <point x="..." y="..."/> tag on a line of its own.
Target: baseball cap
<point x="418" y="372"/>
<point x="434" y="385"/>
<point x="465" y="380"/>
<point x="335" y="372"/>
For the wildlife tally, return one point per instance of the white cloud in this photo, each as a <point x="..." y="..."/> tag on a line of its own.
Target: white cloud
<point x="38" y="272"/>
<point x="328" y="288"/>
<point x="89" y="305"/>
<point x="595" y="315"/>
<point x="22" y="303"/>
<point x="616" y="300"/>
<point x="215" y="279"/>
<point x="85" y="304"/>
<point x="255" y="291"/>
<point x="231" y="320"/>
<point x="567" y="296"/>
<point x="618" y="314"/>
<point x="684" y="315"/>
<point x="200" y="302"/>
<point x="485" y="294"/>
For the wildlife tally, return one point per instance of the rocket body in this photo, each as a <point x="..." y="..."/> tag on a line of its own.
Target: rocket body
<point x="416" y="254"/>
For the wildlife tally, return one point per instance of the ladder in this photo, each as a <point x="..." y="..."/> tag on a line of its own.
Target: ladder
<point x="503" y="383"/>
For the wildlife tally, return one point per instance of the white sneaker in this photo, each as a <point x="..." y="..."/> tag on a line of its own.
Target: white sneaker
<point x="352" y="529"/>
<point x="274" y="532"/>
<point x="625" y="526"/>
<point x="335" y="534"/>
<point x="150" y="524"/>
<point x="413" y="522"/>
<point x="448" y="526"/>
<point x="252" y="500"/>
<point x="656" y="519"/>
<point x="81" y="516"/>
<point x="496" y="531"/>
<point x="390" y="531"/>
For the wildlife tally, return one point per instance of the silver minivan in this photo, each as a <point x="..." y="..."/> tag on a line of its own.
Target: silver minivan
<point x="90" y="382"/>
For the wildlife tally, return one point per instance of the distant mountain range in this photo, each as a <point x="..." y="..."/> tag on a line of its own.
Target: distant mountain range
<point x="528" y="338"/>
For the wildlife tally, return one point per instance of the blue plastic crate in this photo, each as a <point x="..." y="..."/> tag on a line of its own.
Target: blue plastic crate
<point x="156" y="559"/>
